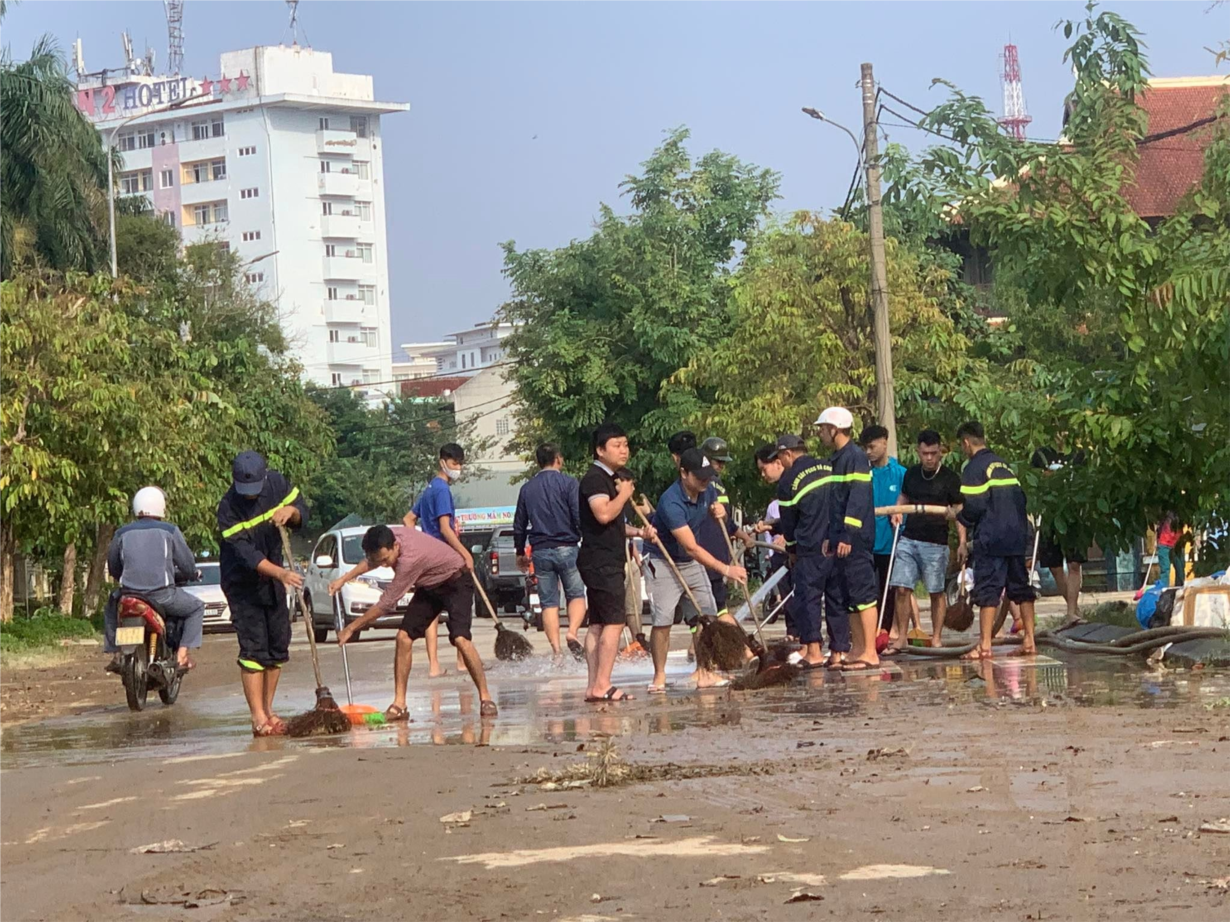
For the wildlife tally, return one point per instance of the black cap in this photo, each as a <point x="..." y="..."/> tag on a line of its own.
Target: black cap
<point x="680" y="442"/>
<point x="715" y="449"/>
<point x="788" y="441"/>
<point x="693" y="461"/>
<point x="249" y="470"/>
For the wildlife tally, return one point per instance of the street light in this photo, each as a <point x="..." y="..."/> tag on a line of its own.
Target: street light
<point x="111" y="182"/>
<point x="821" y="117"/>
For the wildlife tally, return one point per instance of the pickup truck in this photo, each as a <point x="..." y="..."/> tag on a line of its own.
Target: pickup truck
<point x="495" y="565"/>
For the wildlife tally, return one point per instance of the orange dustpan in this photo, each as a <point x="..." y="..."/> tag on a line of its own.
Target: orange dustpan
<point x="363" y="715"/>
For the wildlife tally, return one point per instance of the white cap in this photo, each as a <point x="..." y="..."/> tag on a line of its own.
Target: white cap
<point x="836" y="416"/>
<point x="150" y="501"/>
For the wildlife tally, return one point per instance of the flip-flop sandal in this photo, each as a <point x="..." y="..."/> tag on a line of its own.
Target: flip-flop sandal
<point x="488" y="709"/>
<point x="269" y="729"/>
<point x="721" y="683"/>
<point x="609" y="696"/>
<point x="830" y="664"/>
<point x="859" y="665"/>
<point x="394" y="714"/>
<point x="575" y="648"/>
<point x="655" y="689"/>
<point x="751" y="667"/>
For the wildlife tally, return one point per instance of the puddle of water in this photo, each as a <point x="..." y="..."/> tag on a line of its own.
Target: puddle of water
<point x="540" y="703"/>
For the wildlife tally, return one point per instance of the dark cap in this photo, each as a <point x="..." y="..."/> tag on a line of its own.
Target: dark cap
<point x="693" y="461"/>
<point x="715" y="449"/>
<point x="680" y="442"/>
<point x="788" y="441"/>
<point x="249" y="470"/>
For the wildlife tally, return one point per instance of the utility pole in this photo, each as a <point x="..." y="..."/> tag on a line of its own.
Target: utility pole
<point x="885" y="404"/>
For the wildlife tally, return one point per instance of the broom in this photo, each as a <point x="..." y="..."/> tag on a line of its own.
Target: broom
<point x="509" y="646"/>
<point x="719" y="644"/>
<point x="638" y="644"/>
<point x="326" y="717"/>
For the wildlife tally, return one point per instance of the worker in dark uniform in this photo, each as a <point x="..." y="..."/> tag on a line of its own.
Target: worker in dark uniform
<point x="255" y="579"/>
<point x="994" y="507"/>
<point x="804" y="494"/>
<point x="852" y="535"/>
<point x="715" y="536"/>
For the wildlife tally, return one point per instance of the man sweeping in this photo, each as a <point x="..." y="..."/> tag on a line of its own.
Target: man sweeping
<point x="681" y="512"/>
<point x="435" y="513"/>
<point x="255" y="578"/>
<point x="852" y="535"/>
<point x="441" y="582"/>
<point x="804" y="495"/>
<point x="716" y="534"/>
<point x="995" y="509"/>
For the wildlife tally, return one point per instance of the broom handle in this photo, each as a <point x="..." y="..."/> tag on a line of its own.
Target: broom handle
<point x="915" y="509"/>
<point x="891" y="557"/>
<point x="486" y="601"/>
<point x="751" y="607"/>
<point x="303" y="610"/>
<point x="340" y="622"/>
<point x="671" y="563"/>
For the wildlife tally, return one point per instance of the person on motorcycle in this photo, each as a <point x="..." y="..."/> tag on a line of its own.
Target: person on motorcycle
<point x="149" y="557"/>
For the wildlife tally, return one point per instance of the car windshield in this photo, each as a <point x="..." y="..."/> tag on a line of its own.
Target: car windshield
<point x="352" y="549"/>
<point x="211" y="574"/>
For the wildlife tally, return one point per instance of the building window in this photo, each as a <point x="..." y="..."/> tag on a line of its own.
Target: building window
<point x="330" y="249"/>
<point x="249" y="193"/>
<point x="337" y="378"/>
<point x="166" y="179"/>
<point x="463" y="362"/>
<point x="145" y="140"/>
<point x="501" y="426"/>
<point x="331" y="293"/>
<point x="365" y="210"/>
<point x="136" y="181"/>
<point x="371" y="376"/>
<point x="366" y="253"/>
<point x="205" y="171"/>
<point x="326" y="166"/>
<point x="363" y="168"/>
<point x="127" y="141"/>
<point x="247" y="151"/>
<point x="249" y="236"/>
<point x="255" y="278"/>
<point x="369" y="336"/>
<point x="326" y="208"/>
<point x="367" y="294"/>
<point x="324" y="124"/>
<point x="167" y="217"/>
<point x="335" y="336"/>
<point x="358" y="124"/>
<point x="217" y="169"/>
<point x="208" y="128"/>
<point x="210" y="213"/>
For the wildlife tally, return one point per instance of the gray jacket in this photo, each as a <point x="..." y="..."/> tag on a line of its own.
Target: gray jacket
<point x="150" y="554"/>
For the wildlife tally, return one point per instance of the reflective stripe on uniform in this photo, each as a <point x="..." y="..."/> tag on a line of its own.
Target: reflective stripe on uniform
<point x="807" y="489"/>
<point x="263" y="517"/>
<point x="851" y="520"/>
<point x="1002" y="482"/>
<point x="852" y="477"/>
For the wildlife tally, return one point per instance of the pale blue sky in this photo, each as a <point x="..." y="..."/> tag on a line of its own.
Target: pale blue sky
<point x="598" y="83"/>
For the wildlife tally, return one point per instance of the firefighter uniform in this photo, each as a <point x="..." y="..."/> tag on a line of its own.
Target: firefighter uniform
<point x="852" y="522"/>
<point x="258" y="603"/>
<point x="994" y="509"/>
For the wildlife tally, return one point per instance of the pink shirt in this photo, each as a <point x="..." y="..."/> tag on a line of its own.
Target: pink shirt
<point x="423" y="561"/>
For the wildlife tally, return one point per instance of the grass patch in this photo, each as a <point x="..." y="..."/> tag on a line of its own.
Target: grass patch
<point x="44" y="630"/>
<point x="1120" y="614"/>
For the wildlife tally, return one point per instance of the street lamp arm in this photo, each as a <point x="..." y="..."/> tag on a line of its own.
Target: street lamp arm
<point x="821" y="117"/>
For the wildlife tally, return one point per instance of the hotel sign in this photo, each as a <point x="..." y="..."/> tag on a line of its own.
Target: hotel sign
<point x="126" y="100"/>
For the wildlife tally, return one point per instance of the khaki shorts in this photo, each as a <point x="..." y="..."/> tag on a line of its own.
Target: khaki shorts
<point x="665" y="592"/>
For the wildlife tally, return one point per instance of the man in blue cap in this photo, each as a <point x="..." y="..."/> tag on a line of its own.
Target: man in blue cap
<point x="255" y="578"/>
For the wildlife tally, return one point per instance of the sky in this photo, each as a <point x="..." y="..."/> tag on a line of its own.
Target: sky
<point x="524" y="117"/>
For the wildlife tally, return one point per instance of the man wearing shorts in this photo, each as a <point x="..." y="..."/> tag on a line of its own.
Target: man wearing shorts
<point x="602" y="558"/>
<point x="1053" y="550"/>
<point x="548" y="517"/>
<point x="922" y="551"/>
<point x="994" y="507"/>
<point x="255" y="579"/>
<point x="681" y="512"/>
<point x="441" y="582"/>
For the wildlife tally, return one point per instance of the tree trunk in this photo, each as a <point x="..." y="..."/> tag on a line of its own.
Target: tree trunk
<point x="7" y="574"/>
<point x="98" y="568"/>
<point x="68" y="580"/>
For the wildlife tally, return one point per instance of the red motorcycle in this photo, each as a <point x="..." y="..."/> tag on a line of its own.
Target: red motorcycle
<point x="148" y="652"/>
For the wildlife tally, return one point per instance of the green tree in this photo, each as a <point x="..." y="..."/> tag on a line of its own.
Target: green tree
<point x="53" y="172"/>
<point x="604" y="321"/>
<point x="146" y="248"/>
<point x="801" y="339"/>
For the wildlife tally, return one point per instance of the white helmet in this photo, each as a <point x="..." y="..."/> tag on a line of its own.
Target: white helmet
<point x="838" y="417"/>
<point x="149" y="501"/>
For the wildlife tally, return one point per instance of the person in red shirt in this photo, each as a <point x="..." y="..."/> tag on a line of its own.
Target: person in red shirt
<point x="441" y="581"/>
<point x="1169" y="531"/>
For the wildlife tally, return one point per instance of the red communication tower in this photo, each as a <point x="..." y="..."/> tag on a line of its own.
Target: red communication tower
<point x="1015" y="117"/>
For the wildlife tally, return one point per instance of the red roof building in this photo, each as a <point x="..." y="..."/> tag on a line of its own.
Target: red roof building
<point x="431" y="387"/>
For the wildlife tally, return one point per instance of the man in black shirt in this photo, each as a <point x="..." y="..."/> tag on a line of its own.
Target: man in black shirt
<point x="922" y="551"/>
<point x="604" y="500"/>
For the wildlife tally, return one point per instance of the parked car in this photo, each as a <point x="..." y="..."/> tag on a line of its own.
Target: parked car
<point x="335" y="554"/>
<point x="209" y="591"/>
<point x="495" y="565"/>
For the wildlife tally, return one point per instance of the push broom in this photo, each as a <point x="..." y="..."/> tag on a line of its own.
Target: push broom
<point x="509" y="645"/>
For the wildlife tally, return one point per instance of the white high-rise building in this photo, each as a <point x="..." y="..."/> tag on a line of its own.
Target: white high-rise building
<point x="282" y="160"/>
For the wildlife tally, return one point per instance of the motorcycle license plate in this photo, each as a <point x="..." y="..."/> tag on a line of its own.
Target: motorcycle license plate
<point x="129" y="635"/>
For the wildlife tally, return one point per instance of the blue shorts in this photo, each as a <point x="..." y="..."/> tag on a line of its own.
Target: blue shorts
<point x="555" y="565"/>
<point x="920" y="560"/>
<point x="994" y="576"/>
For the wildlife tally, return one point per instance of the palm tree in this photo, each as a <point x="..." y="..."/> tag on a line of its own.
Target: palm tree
<point x="53" y="171"/>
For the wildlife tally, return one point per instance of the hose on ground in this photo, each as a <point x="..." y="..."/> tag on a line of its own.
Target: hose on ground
<point x="1137" y="642"/>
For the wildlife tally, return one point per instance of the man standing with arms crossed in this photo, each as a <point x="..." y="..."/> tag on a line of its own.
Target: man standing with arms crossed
<point x="434" y="512"/>
<point x="255" y="579"/>
<point x="549" y="516"/>
<point x="852" y="535"/>
<point x="601" y="560"/>
<point x="995" y="509"/>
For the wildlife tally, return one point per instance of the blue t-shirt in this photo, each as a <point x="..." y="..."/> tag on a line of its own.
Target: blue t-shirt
<point x="886" y="491"/>
<point x="675" y="510"/>
<point x="435" y="501"/>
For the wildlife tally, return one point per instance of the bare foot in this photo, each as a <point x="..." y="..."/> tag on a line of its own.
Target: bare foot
<point x="935" y="642"/>
<point x="1024" y="651"/>
<point x="976" y="653"/>
<point x="437" y="673"/>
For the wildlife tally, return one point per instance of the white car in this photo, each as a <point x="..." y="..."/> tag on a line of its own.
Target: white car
<point x="335" y="554"/>
<point x="209" y="590"/>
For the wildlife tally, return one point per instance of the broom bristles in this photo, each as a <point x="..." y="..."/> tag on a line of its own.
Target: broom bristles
<point x="318" y="722"/>
<point x="777" y="674"/>
<point x="510" y="646"/>
<point x="959" y="616"/>
<point x="720" y="645"/>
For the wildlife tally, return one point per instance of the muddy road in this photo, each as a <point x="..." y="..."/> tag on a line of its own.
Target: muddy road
<point x="1057" y="789"/>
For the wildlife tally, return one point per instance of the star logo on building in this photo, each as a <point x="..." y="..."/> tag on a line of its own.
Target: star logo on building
<point x="225" y="83"/>
<point x="207" y="87"/>
<point x="241" y="82"/>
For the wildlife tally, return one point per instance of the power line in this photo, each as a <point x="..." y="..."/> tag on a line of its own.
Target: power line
<point x="442" y="414"/>
<point x="341" y="387"/>
<point x="394" y="442"/>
